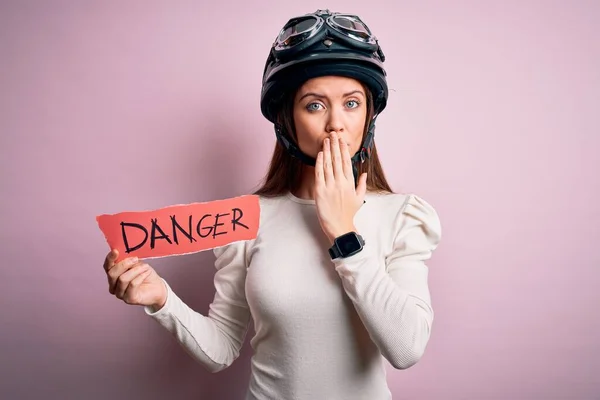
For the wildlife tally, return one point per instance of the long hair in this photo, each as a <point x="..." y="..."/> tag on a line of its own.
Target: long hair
<point x="284" y="172"/>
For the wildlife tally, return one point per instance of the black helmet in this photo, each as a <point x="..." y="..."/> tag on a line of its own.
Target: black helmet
<point x="319" y="44"/>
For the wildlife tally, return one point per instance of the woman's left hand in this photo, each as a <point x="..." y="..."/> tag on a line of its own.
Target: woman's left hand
<point x="336" y="198"/>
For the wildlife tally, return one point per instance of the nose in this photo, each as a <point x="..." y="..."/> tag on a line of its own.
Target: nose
<point x="335" y="122"/>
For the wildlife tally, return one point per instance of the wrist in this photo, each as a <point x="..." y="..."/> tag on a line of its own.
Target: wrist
<point x="161" y="300"/>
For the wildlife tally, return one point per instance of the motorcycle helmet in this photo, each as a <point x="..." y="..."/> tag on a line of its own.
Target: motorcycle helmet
<point x="319" y="44"/>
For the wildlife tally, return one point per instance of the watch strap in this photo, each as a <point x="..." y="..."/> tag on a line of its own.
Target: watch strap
<point x="334" y="252"/>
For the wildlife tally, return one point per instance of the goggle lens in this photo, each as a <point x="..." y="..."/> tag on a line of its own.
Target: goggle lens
<point x="353" y="24"/>
<point x="294" y="31"/>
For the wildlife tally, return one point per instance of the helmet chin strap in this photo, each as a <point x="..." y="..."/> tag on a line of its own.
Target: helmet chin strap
<point x="363" y="154"/>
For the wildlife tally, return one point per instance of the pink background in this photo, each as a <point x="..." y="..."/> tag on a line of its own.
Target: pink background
<point x="108" y="106"/>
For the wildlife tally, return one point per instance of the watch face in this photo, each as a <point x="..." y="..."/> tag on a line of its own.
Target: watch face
<point x="348" y="244"/>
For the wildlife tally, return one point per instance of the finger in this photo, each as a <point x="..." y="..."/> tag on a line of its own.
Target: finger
<point x="336" y="157"/>
<point x="135" y="283"/>
<point x="127" y="277"/>
<point x="319" y="177"/>
<point x="361" y="188"/>
<point x="347" y="161"/>
<point x="109" y="261"/>
<point x="327" y="168"/>
<point x="115" y="272"/>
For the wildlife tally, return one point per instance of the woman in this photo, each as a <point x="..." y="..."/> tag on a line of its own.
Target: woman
<point x="335" y="280"/>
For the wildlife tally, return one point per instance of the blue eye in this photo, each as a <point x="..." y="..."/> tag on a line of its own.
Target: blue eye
<point x="356" y="103"/>
<point x="313" y="106"/>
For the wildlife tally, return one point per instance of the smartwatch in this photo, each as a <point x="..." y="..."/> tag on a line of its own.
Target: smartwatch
<point x="346" y="245"/>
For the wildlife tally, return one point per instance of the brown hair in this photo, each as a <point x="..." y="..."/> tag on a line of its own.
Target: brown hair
<point x="285" y="171"/>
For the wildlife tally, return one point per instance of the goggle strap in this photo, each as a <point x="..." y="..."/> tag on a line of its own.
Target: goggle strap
<point x="292" y="148"/>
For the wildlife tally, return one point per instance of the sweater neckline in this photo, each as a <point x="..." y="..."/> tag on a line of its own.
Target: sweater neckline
<point x="298" y="200"/>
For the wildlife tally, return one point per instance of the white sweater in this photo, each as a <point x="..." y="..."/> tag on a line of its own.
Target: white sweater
<point x="322" y="327"/>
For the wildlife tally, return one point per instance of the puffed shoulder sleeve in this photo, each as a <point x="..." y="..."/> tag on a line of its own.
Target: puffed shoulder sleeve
<point x="390" y="291"/>
<point x="418" y="234"/>
<point x="213" y="340"/>
<point x="420" y="231"/>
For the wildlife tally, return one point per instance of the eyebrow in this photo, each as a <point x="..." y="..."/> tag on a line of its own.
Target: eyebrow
<point x="323" y="96"/>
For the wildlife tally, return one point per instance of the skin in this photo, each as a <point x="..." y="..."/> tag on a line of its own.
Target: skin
<point x="329" y="116"/>
<point x="134" y="281"/>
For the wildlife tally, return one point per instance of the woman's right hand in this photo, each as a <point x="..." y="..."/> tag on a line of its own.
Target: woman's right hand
<point x="134" y="281"/>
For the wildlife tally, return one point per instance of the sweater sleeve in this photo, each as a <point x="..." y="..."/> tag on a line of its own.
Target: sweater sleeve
<point x="391" y="295"/>
<point x="213" y="340"/>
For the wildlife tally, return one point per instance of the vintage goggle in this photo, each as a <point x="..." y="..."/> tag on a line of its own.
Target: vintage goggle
<point x="302" y="32"/>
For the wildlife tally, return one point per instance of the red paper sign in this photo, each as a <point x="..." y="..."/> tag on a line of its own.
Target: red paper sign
<point x="181" y="229"/>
